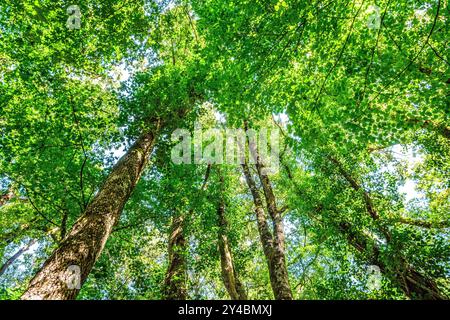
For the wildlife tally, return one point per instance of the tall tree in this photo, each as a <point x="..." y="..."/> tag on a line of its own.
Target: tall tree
<point x="229" y="273"/>
<point x="16" y="255"/>
<point x="175" y="281"/>
<point x="84" y="243"/>
<point x="273" y="244"/>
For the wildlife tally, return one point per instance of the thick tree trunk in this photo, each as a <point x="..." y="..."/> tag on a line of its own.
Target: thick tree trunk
<point x="175" y="281"/>
<point x="83" y="244"/>
<point x="11" y="260"/>
<point x="229" y="275"/>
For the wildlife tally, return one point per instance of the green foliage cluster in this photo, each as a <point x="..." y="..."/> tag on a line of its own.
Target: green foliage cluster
<point x="353" y="103"/>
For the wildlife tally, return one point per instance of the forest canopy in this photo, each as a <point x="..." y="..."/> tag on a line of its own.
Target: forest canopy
<point x="224" y="149"/>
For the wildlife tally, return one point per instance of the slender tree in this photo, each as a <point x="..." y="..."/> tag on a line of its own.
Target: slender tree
<point x="230" y="276"/>
<point x="175" y="280"/>
<point x="17" y="255"/>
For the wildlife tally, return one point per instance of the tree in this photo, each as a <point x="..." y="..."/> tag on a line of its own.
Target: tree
<point x="89" y="116"/>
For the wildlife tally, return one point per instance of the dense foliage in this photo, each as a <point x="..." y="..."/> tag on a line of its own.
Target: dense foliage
<point x="364" y="159"/>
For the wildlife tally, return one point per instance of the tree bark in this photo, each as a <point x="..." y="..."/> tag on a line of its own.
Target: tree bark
<point x="278" y="258"/>
<point x="175" y="281"/>
<point x="11" y="260"/>
<point x="274" y="256"/>
<point x="229" y="275"/>
<point x="84" y="243"/>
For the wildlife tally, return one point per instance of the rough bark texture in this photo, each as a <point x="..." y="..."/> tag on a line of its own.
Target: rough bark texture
<point x="175" y="281"/>
<point x="263" y="227"/>
<point x="11" y="260"/>
<point x="229" y="275"/>
<point x="83" y="244"/>
<point x="272" y="250"/>
<point x="278" y="269"/>
<point x="279" y="259"/>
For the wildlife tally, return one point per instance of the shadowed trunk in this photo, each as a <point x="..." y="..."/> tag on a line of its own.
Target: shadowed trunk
<point x="85" y="241"/>
<point x="229" y="275"/>
<point x="175" y="281"/>
<point x="11" y="260"/>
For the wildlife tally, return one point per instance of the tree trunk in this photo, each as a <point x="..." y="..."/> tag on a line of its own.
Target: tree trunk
<point x="279" y="258"/>
<point x="175" y="281"/>
<point x="84" y="243"/>
<point x="11" y="260"/>
<point x="414" y="284"/>
<point x="229" y="275"/>
<point x="278" y="279"/>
